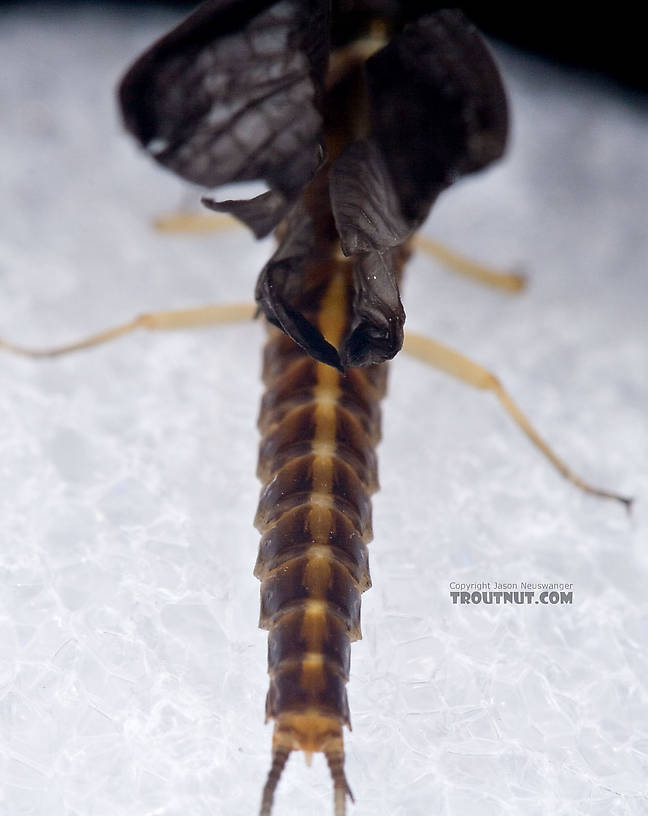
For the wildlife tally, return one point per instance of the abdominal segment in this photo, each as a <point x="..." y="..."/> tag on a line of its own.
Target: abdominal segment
<point x="318" y="467"/>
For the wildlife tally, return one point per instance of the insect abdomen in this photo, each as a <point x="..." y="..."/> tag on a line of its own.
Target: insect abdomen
<point x="318" y="466"/>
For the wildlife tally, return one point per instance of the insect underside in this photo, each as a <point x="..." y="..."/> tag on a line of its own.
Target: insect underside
<point x="355" y="147"/>
<point x="318" y="466"/>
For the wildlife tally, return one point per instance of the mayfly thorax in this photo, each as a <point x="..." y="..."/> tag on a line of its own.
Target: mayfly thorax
<point x="356" y="119"/>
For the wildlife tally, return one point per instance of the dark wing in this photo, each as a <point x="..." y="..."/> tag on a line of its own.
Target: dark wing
<point x="438" y="111"/>
<point x="438" y="107"/>
<point x="371" y="229"/>
<point x="233" y="94"/>
<point x="281" y="282"/>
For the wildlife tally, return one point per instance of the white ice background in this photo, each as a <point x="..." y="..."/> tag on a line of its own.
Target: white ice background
<point x="132" y="672"/>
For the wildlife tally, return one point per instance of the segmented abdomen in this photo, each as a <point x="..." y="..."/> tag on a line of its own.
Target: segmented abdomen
<point x="318" y="467"/>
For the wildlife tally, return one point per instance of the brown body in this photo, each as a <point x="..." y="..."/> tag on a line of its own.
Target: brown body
<point x="318" y="466"/>
<point x="355" y="146"/>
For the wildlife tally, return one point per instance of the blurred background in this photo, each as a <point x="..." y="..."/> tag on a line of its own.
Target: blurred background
<point x="603" y="39"/>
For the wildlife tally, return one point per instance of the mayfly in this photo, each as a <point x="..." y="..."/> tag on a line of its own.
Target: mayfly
<point x="357" y="118"/>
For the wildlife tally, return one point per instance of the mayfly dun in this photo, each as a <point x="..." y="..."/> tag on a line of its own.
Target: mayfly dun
<point x="356" y="122"/>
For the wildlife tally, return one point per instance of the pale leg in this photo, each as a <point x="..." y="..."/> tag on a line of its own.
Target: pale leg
<point x="487" y="275"/>
<point x="205" y="222"/>
<point x="153" y="321"/>
<point x="195" y="221"/>
<point x="455" y="364"/>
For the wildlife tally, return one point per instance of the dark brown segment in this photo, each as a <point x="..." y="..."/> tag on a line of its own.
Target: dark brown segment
<point x="300" y="633"/>
<point x="356" y="447"/>
<point x="295" y="386"/>
<point x="296" y="483"/>
<point x="377" y="376"/>
<point x="279" y="353"/>
<point x="296" y="689"/>
<point x="297" y="582"/>
<point x="293" y="437"/>
<point x="290" y="487"/>
<point x="359" y="397"/>
<point x="298" y="530"/>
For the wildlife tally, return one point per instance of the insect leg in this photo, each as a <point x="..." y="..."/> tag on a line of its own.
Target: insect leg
<point x="152" y="321"/>
<point x="455" y="364"/>
<point x="202" y="221"/>
<point x="508" y="281"/>
<point x="195" y="221"/>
